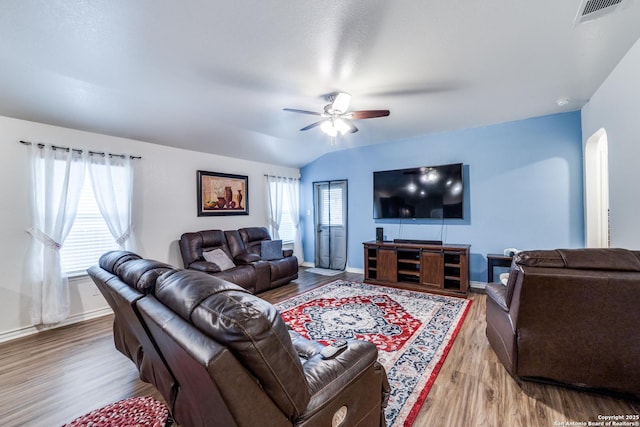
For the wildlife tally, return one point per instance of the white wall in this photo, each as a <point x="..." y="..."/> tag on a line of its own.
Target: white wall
<point x="165" y="207"/>
<point x="616" y="107"/>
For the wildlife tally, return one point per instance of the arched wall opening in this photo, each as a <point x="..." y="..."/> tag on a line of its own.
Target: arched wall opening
<point x="596" y="183"/>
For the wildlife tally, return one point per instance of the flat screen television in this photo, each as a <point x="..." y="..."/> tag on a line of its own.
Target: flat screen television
<point x="428" y="192"/>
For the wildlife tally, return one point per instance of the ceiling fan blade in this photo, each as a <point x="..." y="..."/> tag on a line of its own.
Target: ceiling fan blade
<point x="293" y="110"/>
<point x="341" y="102"/>
<point x="367" y="114"/>
<point x="352" y="127"/>
<point x="312" y="125"/>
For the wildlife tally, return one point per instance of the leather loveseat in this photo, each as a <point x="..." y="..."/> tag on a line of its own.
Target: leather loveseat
<point x="250" y="269"/>
<point x="570" y="316"/>
<point x="221" y="356"/>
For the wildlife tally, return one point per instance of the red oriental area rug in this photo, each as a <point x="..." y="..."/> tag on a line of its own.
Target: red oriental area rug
<point x="412" y="330"/>
<point x="133" y="412"/>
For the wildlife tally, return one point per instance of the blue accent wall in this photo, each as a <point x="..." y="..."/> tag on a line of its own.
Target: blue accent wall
<point x="523" y="188"/>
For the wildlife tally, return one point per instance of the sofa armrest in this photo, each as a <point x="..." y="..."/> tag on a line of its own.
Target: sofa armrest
<point x="207" y="267"/>
<point x="498" y="293"/>
<point x="287" y="253"/>
<point x="305" y="348"/>
<point x="327" y="377"/>
<point x="246" y="258"/>
<point x="353" y="379"/>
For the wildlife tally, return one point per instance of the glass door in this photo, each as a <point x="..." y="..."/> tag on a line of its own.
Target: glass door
<point x="330" y="216"/>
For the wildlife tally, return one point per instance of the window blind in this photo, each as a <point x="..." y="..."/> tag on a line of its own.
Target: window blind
<point x="331" y="198"/>
<point x="89" y="237"/>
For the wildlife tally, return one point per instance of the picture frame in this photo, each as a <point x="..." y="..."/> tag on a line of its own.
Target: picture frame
<point x="222" y="194"/>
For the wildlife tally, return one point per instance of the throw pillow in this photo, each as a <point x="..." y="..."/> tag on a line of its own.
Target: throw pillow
<point x="218" y="257"/>
<point x="504" y="278"/>
<point x="271" y="249"/>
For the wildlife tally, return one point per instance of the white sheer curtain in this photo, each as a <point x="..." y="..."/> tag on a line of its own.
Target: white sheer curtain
<point x="57" y="176"/>
<point x="275" y="202"/>
<point x="112" y="181"/>
<point x="281" y="190"/>
<point x="292" y="187"/>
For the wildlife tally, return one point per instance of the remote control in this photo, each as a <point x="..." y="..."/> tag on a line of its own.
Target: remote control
<point x="333" y="349"/>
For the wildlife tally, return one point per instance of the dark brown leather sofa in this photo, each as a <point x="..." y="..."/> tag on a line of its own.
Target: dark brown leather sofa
<point x="570" y="316"/>
<point x="221" y="356"/>
<point x="243" y="246"/>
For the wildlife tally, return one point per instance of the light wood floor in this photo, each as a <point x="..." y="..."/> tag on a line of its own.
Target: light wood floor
<point x="53" y="377"/>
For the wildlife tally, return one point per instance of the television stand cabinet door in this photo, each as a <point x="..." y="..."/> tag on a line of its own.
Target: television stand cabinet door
<point x="387" y="265"/>
<point x="432" y="269"/>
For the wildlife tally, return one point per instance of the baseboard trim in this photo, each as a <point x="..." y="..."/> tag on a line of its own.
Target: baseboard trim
<point x="76" y="318"/>
<point x="478" y="286"/>
<point x="348" y="269"/>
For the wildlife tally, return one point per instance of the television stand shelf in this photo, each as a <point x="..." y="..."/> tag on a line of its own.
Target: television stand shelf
<point x="426" y="267"/>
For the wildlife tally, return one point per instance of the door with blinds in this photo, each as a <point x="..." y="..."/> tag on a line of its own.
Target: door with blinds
<point x="330" y="216"/>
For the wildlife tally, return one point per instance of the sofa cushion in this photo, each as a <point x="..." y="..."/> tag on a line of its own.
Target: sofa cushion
<point x="142" y="274"/>
<point x="138" y="273"/>
<point x="193" y="244"/>
<point x="540" y="258"/>
<point x="600" y="259"/>
<point x="585" y="258"/>
<point x="218" y="257"/>
<point x="245" y="276"/>
<point x="271" y="249"/>
<point x="252" y="236"/>
<point x="112" y="260"/>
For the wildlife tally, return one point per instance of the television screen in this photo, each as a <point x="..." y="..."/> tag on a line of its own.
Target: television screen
<point x="431" y="192"/>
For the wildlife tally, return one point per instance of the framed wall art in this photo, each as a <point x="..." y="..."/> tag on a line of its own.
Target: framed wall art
<point x="222" y="194"/>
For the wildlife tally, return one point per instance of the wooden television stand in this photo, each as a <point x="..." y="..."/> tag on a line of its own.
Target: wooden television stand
<point x="417" y="266"/>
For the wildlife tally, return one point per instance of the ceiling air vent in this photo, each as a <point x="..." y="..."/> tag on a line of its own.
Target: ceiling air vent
<point x="592" y="9"/>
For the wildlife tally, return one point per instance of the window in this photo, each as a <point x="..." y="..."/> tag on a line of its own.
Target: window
<point x="89" y="237"/>
<point x="281" y="199"/>
<point x="287" y="230"/>
<point x="331" y="206"/>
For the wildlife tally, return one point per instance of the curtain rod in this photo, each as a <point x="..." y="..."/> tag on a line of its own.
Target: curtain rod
<point x="279" y="176"/>
<point x="76" y="150"/>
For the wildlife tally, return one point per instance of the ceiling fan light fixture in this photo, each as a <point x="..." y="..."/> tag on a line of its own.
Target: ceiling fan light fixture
<point x="335" y="126"/>
<point x="336" y="117"/>
<point x="328" y="128"/>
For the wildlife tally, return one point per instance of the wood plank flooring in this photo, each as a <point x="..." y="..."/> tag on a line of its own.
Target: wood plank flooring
<point x="53" y="377"/>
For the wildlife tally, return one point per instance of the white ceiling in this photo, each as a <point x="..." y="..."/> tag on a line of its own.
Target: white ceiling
<point x="214" y="76"/>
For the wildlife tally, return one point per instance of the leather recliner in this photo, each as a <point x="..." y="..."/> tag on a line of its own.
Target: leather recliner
<point x="221" y="356"/>
<point x="130" y="335"/>
<point x="570" y="316"/>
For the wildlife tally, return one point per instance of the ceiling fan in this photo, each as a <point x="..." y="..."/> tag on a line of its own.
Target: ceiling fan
<point x="337" y="117"/>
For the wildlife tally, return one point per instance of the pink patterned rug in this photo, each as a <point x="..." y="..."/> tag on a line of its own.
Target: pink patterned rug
<point x="134" y="412"/>
<point x="412" y="330"/>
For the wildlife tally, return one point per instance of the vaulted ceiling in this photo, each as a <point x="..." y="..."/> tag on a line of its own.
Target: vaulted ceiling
<point x="214" y="76"/>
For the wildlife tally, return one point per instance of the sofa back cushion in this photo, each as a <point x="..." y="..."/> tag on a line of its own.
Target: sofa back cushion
<point x="193" y="244"/>
<point x="140" y="274"/>
<point x="252" y="238"/>
<point x="601" y="259"/>
<point x="586" y="259"/>
<point x="249" y="326"/>
<point x="235" y="243"/>
<point x="112" y="260"/>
